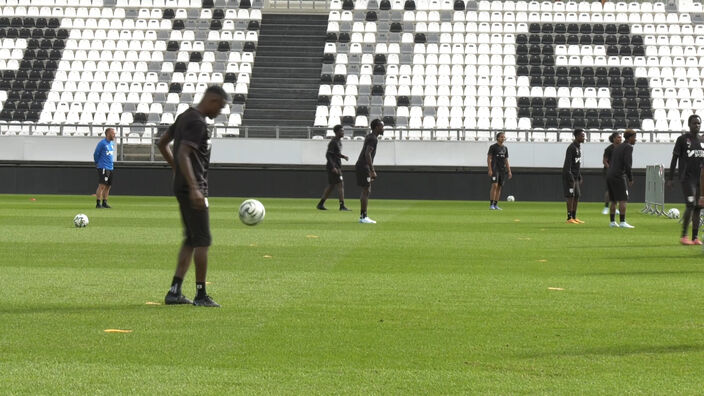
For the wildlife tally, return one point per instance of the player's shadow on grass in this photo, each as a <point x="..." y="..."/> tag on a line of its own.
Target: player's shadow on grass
<point x="623" y="350"/>
<point x="644" y="273"/>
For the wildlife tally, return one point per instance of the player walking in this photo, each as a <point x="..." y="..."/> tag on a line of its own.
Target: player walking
<point x="190" y="160"/>
<point x="364" y="168"/>
<point x="615" y="139"/>
<point x="620" y="177"/>
<point x="688" y="152"/>
<point x="103" y="156"/>
<point x="334" y="168"/>
<point x="499" y="169"/>
<point x="572" y="176"/>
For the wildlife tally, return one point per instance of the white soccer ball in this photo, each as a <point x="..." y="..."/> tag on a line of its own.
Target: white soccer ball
<point x="510" y="198"/>
<point x="251" y="212"/>
<point x="80" y="220"/>
<point x="674" y="213"/>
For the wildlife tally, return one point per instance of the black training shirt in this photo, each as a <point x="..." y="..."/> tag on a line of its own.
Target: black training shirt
<point x="334" y="153"/>
<point x="369" y="141"/>
<point x="689" y="153"/>
<point x="190" y="129"/>
<point x="621" y="161"/>
<point x="499" y="155"/>
<point x="573" y="161"/>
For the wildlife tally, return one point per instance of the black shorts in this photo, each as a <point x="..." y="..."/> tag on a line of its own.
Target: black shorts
<point x="499" y="177"/>
<point x="571" y="188"/>
<point x="690" y="190"/>
<point x="196" y="223"/>
<point x="334" y="178"/>
<point x="105" y="177"/>
<point x="618" y="189"/>
<point x="364" y="179"/>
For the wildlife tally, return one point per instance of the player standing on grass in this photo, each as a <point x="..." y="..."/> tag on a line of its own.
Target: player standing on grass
<point x="190" y="160"/>
<point x="364" y="168"/>
<point x="334" y="168"/>
<point x="104" y="156"/>
<point x="615" y="139"/>
<point x="620" y="177"/>
<point x="688" y="152"/>
<point x="499" y="169"/>
<point x="572" y="176"/>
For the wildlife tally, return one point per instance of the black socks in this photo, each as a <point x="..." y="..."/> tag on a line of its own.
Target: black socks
<point x="176" y="285"/>
<point x="200" y="290"/>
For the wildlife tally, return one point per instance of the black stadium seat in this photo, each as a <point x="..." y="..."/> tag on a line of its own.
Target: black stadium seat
<point x="224" y="46"/>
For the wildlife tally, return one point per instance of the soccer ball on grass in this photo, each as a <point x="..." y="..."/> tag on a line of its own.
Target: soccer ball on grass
<point x="251" y="212"/>
<point x="673" y="213"/>
<point x="80" y="220"/>
<point x="510" y="198"/>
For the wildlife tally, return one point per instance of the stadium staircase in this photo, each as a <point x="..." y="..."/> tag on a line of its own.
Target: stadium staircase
<point x="285" y="79"/>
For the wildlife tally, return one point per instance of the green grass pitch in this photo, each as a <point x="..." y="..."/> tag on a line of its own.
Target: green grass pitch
<point x="437" y="298"/>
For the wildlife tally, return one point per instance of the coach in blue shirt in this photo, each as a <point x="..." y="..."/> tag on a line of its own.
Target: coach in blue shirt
<point x="103" y="158"/>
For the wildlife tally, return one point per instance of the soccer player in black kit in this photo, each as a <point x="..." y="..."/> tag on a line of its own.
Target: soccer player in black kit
<point x="190" y="160"/>
<point x="364" y="168"/>
<point x="688" y="152"/>
<point x="620" y="177"/>
<point x="334" y="168"/>
<point x="572" y="176"/>
<point x="499" y="169"/>
<point x="615" y="139"/>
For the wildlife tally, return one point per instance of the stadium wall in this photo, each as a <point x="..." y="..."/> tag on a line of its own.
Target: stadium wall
<point x="254" y="151"/>
<point x="295" y="169"/>
<point x="528" y="184"/>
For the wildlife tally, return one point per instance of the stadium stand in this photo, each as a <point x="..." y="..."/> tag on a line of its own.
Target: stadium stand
<point x="463" y="69"/>
<point x="431" y="69"/>
<point x="136" y="62"/>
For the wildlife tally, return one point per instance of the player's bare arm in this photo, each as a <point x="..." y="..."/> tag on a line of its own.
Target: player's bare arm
<point x="370" y="161"/>
<point x="673" y="165"/>
<point x="164" y="147"/>
<point x="184" y="159"/>
<point x="701" y="189"/>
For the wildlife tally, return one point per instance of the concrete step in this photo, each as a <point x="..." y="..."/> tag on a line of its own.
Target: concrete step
<point x="283" y="72"/>
<point x="280" y="122"/>
<point x="299" y="83"/>
<point x="280" y="51"/>
<point x="296" y="20"/>
<point x="279" y="114"/>
<point x="269" y="103"/>
<point x="280" y="93"/>
<point x="285" y="80"/>
<point x="289" y="61"/>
